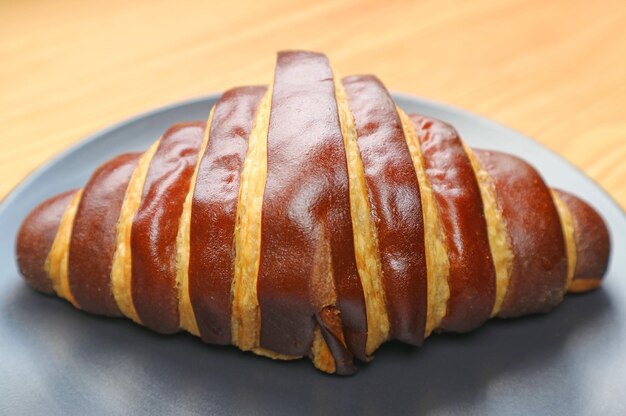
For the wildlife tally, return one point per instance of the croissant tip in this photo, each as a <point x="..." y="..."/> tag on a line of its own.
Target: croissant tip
<point x="593" y="245"/>
<point x="35" y="237"/>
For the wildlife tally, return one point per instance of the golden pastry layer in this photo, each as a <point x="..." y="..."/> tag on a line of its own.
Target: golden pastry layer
<point x="436" y="256"/>
<point x="365" y="239"/>
<point x="56" y="262"/>
<point x="122" y="264"/>
<point x="245" y="310"/>
<point x="499" y="239"/>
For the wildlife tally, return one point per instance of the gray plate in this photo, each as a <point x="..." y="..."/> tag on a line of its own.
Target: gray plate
<point x="56" y="360"/>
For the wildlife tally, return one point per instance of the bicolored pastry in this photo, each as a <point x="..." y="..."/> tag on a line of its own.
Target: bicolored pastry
<point x="313" y="218"/>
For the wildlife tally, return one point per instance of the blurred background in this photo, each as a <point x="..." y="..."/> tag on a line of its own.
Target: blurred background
<point x="554" y="70"/>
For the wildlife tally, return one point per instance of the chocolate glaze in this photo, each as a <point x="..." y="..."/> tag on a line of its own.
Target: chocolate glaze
<point x="591" y="237"/>
<point x="395" y="203"/>
<point x="306" y="205"/>
<point x="35" y="238"/>
<point x="472" y="275"/>
<point x="155" y="226"/>
<point x="92" y="244"/>
<point x="214" y="211"/>
<point x="539" y="272"/>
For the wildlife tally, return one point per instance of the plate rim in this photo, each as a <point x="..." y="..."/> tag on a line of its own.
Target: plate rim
<point x="38" y="171"/>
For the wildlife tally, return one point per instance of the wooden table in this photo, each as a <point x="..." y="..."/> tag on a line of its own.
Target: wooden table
<point x="555" y="70"/>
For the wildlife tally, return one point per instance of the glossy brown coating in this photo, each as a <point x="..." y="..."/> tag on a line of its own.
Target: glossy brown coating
<point x="306" y="206"/>
<point x="472" y="275"/>
<point x="93" y="243"/>
<point x="395" y="203"/>
<point x="591" y="237"/>
<point x="155" y="226"/>
<point x="539" y="272"/>
<point x="35" y="238"/>
<point x="214" y="211"/>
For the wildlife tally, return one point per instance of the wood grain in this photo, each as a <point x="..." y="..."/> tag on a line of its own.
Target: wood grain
<point x="554" y="70"/>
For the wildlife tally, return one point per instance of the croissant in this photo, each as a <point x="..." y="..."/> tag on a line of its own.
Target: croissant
<point x="313" y="218"/>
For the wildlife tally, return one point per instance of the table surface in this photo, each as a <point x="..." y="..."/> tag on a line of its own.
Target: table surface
<point x="556" y="71"/>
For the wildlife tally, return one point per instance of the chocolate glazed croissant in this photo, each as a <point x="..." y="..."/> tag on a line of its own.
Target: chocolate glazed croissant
<point x="313" y="218"/>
